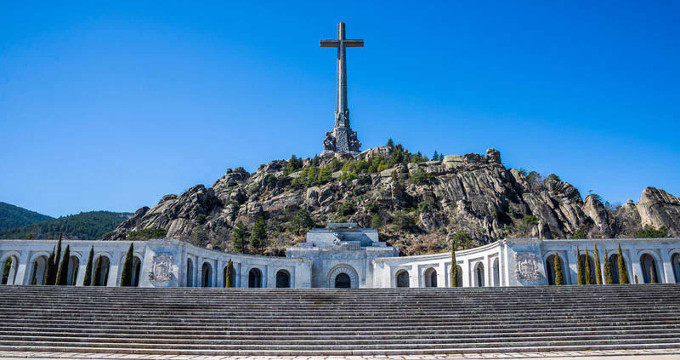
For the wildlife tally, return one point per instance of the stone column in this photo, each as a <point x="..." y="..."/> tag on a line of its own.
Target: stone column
<point x="635" y="266"/>
<point x="667" y="266"/>
<point x="572" y="263"/>
<point x="23" y="270"/>
<point x="114" y="267"/>
<point x="198" y="272"/>
<point x="487" y="271"/>
<point x="220" y="273"/>
<point x="466" y="275"/>
<point x="82" y="269"/>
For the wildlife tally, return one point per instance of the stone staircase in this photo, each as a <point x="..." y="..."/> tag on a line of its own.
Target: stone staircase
<point x="212" y="321"/>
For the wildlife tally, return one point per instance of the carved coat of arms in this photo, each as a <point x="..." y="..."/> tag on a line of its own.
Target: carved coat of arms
<point x="161" y="268"/>
<point x="527" y="267"/>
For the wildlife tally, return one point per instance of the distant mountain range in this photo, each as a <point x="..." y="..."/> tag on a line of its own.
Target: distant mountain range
<point x="20" y="223"/>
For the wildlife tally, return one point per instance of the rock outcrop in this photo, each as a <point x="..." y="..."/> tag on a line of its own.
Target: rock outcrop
<point x="417" y="204"/>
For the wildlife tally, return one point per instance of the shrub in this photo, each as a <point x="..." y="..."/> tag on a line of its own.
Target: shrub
<point x="97" y="272"/>
<point x="88" y="269"/>
<point x="49" y="270"/>
<point x="403" y="221"/>
<point x="126" y="276"/>
<point x="347" y="208"/>
<point x="559" y="276"/>
<point x="146" y="234"/>
<point x="623" y="272"/>
<point x="421" y="177"/>
<point x="580" y="234"/>
<point x="376" y="222"/>
<point x="588" y="271"/>
<point x="229" y="276"/>
<point x="650" y="232"/>
<point x="62" y="274"/>
<point x="608" y="275"/>
<point x="579" y="267"/>
<point x="598" y="268"/>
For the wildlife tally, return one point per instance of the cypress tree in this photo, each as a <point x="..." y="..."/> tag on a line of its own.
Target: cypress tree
<point x="454" y="267"/>
<point x="229" y="276"/>
<point x="579" y="266"/>
<point x="62" y="274"/>
<point x="559" y="277"/>
<point x="588" y="271"/>
<point x="652" y="275"/>
<point x="57" y="260"/>
<point x="88" y="269"/>
<point x="49" y="270"/>
<point x="97" y="272"/>
<point x="598" y="267"/>
<point x="608" y="275"/>
<point x="623" y="272"/>
<point x="636" y="280"/>
<point x="126" y="276"/>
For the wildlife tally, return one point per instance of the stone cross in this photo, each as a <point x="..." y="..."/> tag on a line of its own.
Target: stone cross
<point x="342" y="139"/>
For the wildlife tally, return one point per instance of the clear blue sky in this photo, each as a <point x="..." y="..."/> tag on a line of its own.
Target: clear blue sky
<point x="112" y="104"/>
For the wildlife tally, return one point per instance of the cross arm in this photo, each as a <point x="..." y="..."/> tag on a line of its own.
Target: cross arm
<point x="354" y="43"/>
<point x="330" y="43"/>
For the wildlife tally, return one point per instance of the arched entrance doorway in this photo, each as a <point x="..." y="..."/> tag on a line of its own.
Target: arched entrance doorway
<point x="190" y="273"/>
<point x="614" y="265"/>
<point x="550" y="269"/>
<point x="255" y="278"/>
<point x="343" y="281"/>
<point x="101" y="271"/>
<point x="496" y="273"/>
<point x="430" y="277"/>
<point x="282" y="279"/>
<point x="38" y="271"/>
<point x="136" y="268"/>
<point x="647" y="263"/>
<point x="72" y="275"/>
<point x="9" y="270"/>
<point x="591" y="263"/>
<point x="403" y="279"/>
<point x="479" y="275"/>
<point x="675" y="261"/>
<point x="206" y="275"/>
<point x="459" y="276"/>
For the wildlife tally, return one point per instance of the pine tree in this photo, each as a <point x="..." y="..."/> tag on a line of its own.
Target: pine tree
<point x="559" y="277"/>
<point x="62" y="274"/>
<point x="126" y="276"/>
<point x="598" y="267"/>
<point x="579" y="266"/>
<point x="652" y="275"/>
<point x="239" y="236"/>
<point x="390" y="143"/>
<point x="376" y="222"/>
<point x="623" y="272"/>
<point x="97" y="272"/>
<point x="88" y="269"/>
<point x="435" y="156"/>
<point x="49" y="270"/>
<point x="259" y="234"/>
<point x="608" y="275"/>
<point x="588" y="271"/>
<point x="454" y="266"/>
<point x="229" y="276"/>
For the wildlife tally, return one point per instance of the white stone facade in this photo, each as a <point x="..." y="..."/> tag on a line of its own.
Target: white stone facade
<point x="342" y="257"/>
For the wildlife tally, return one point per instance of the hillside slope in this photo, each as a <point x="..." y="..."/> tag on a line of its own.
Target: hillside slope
<point x="86" y="225"/>
<point x="417" y="205"/>
<point x="13" y="216"/>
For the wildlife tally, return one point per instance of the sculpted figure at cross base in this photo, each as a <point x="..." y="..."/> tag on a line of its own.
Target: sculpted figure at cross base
<point x="341" y="139"/>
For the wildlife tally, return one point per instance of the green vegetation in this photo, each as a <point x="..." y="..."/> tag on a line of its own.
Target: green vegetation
<point x="623" y="272"/>
<point x="421" y="177"/>
<point x="347" y="208"/>
<point x="650" y="232"/>
<point x="49" y="270"/>
<point x="199" y="236"/>
<point x="608" y="274"/>
<point x="528" y="223"/>
<point x="579" y="267"/>
<point x="146" y="234"/>
<point x="652" y="275"/>
<point x="88" y="269"/>
<point x="462" y="239"/>
<point x="403" y="221"/>
<point x="376" y="222"/>
<point x="293" y="165"/>
<point x="229" y="276"/>
<point x="126" y="276"/>
<point x="12" y="217"/>
<point x="98" y="272"/>
<point x="239" y="236"/>
<point x="580" y="234"/>
<point x="86" y="225"/>
<point x="590" y="280"/>
<point x="598" y="268"/>
<point x="6" y="269"/>
<point x="62" y="274"/>
<point x="559" y="277"/>
<point x="301" y="222"/>
<point x="259" y="235"/>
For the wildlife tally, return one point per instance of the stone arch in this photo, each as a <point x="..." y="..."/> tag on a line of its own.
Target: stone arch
<point x="255" y="278"/>
<point x="136" y="270"/>
<point x="550" y="269"/>
<point x="591" y="261"/>
<point x="206" y="275"/>
<point x="430" y="277"/>
<point x="190" y="272"/>
<point x="496" y="271"/>
<point x="73" y="265"/>
<point x="614" y="263"/>
<point x="403" y="279"/>
<point x="38" y="269"/>
<point x="459" y="276"/>
<point x="105" y="266"/>
<point x="478" y="275"/>
<point x="343" y="269"/>
<point x="675" y="264"/>
<point x="647" y="263"/>
<point x="8" y="271"/>
<point x="282" y="279"/>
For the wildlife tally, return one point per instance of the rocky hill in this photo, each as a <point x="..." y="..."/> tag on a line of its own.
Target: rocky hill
<point x="416" y="204"/>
